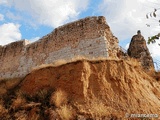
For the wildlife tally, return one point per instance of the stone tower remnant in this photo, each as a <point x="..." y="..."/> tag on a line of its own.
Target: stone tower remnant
<point x="138" y="49"/>
<point x="90" y="37"/>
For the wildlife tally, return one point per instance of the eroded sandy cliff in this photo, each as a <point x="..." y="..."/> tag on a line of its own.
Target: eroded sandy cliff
<point x="92" y="89"/>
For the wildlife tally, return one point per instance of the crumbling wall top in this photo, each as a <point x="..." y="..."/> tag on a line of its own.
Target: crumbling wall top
<point x="12" y="48"/>
<point x="100" y="19"/>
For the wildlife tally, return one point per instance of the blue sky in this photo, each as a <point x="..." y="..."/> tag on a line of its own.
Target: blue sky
<point x="32" y="19"/>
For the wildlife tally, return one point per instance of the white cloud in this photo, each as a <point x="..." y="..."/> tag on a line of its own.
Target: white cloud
<point x="125" y="17"/>
<point x="51" y="12"/>
<point x="34" y="39"/>
<point x="1" y="17"/>
<point x="127" y="46"/>
<point x="3" y="1"/>
<point x="154" y="49"/>
<point x="9" y="33"/>
<point x="13" y="16"/>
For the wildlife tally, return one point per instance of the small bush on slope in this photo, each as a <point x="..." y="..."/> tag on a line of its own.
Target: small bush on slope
<point x="58" y="98"/>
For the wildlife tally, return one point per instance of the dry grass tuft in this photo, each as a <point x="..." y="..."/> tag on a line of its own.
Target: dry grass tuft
<point x="21" y="115"/>
<point x="98" y="109"/>
<point x="8" y="84"/>
<point x="34" y="114"/>
<point x="66" y="112"/>
<point x="4" y="115"/>
<point x="58" y="98"/>
<point x="94" y="108"/>
<point x="18" y="102"/>
<point x="52" y="114"/>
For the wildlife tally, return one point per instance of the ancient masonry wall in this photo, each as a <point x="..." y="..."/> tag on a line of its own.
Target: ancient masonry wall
<point x="89" y="37"/>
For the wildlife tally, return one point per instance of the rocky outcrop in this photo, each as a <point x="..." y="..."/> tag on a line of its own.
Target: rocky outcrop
<point x="138" y="49"/>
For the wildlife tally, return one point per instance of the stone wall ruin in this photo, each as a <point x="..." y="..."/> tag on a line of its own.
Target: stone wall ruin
<point x="89" y="37"/>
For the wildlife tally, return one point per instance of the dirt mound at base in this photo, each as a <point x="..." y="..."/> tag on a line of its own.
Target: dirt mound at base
<point x="120" y="86"/>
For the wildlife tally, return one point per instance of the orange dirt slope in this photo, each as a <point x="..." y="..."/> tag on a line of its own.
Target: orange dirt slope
<point x="120" y="85"/>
